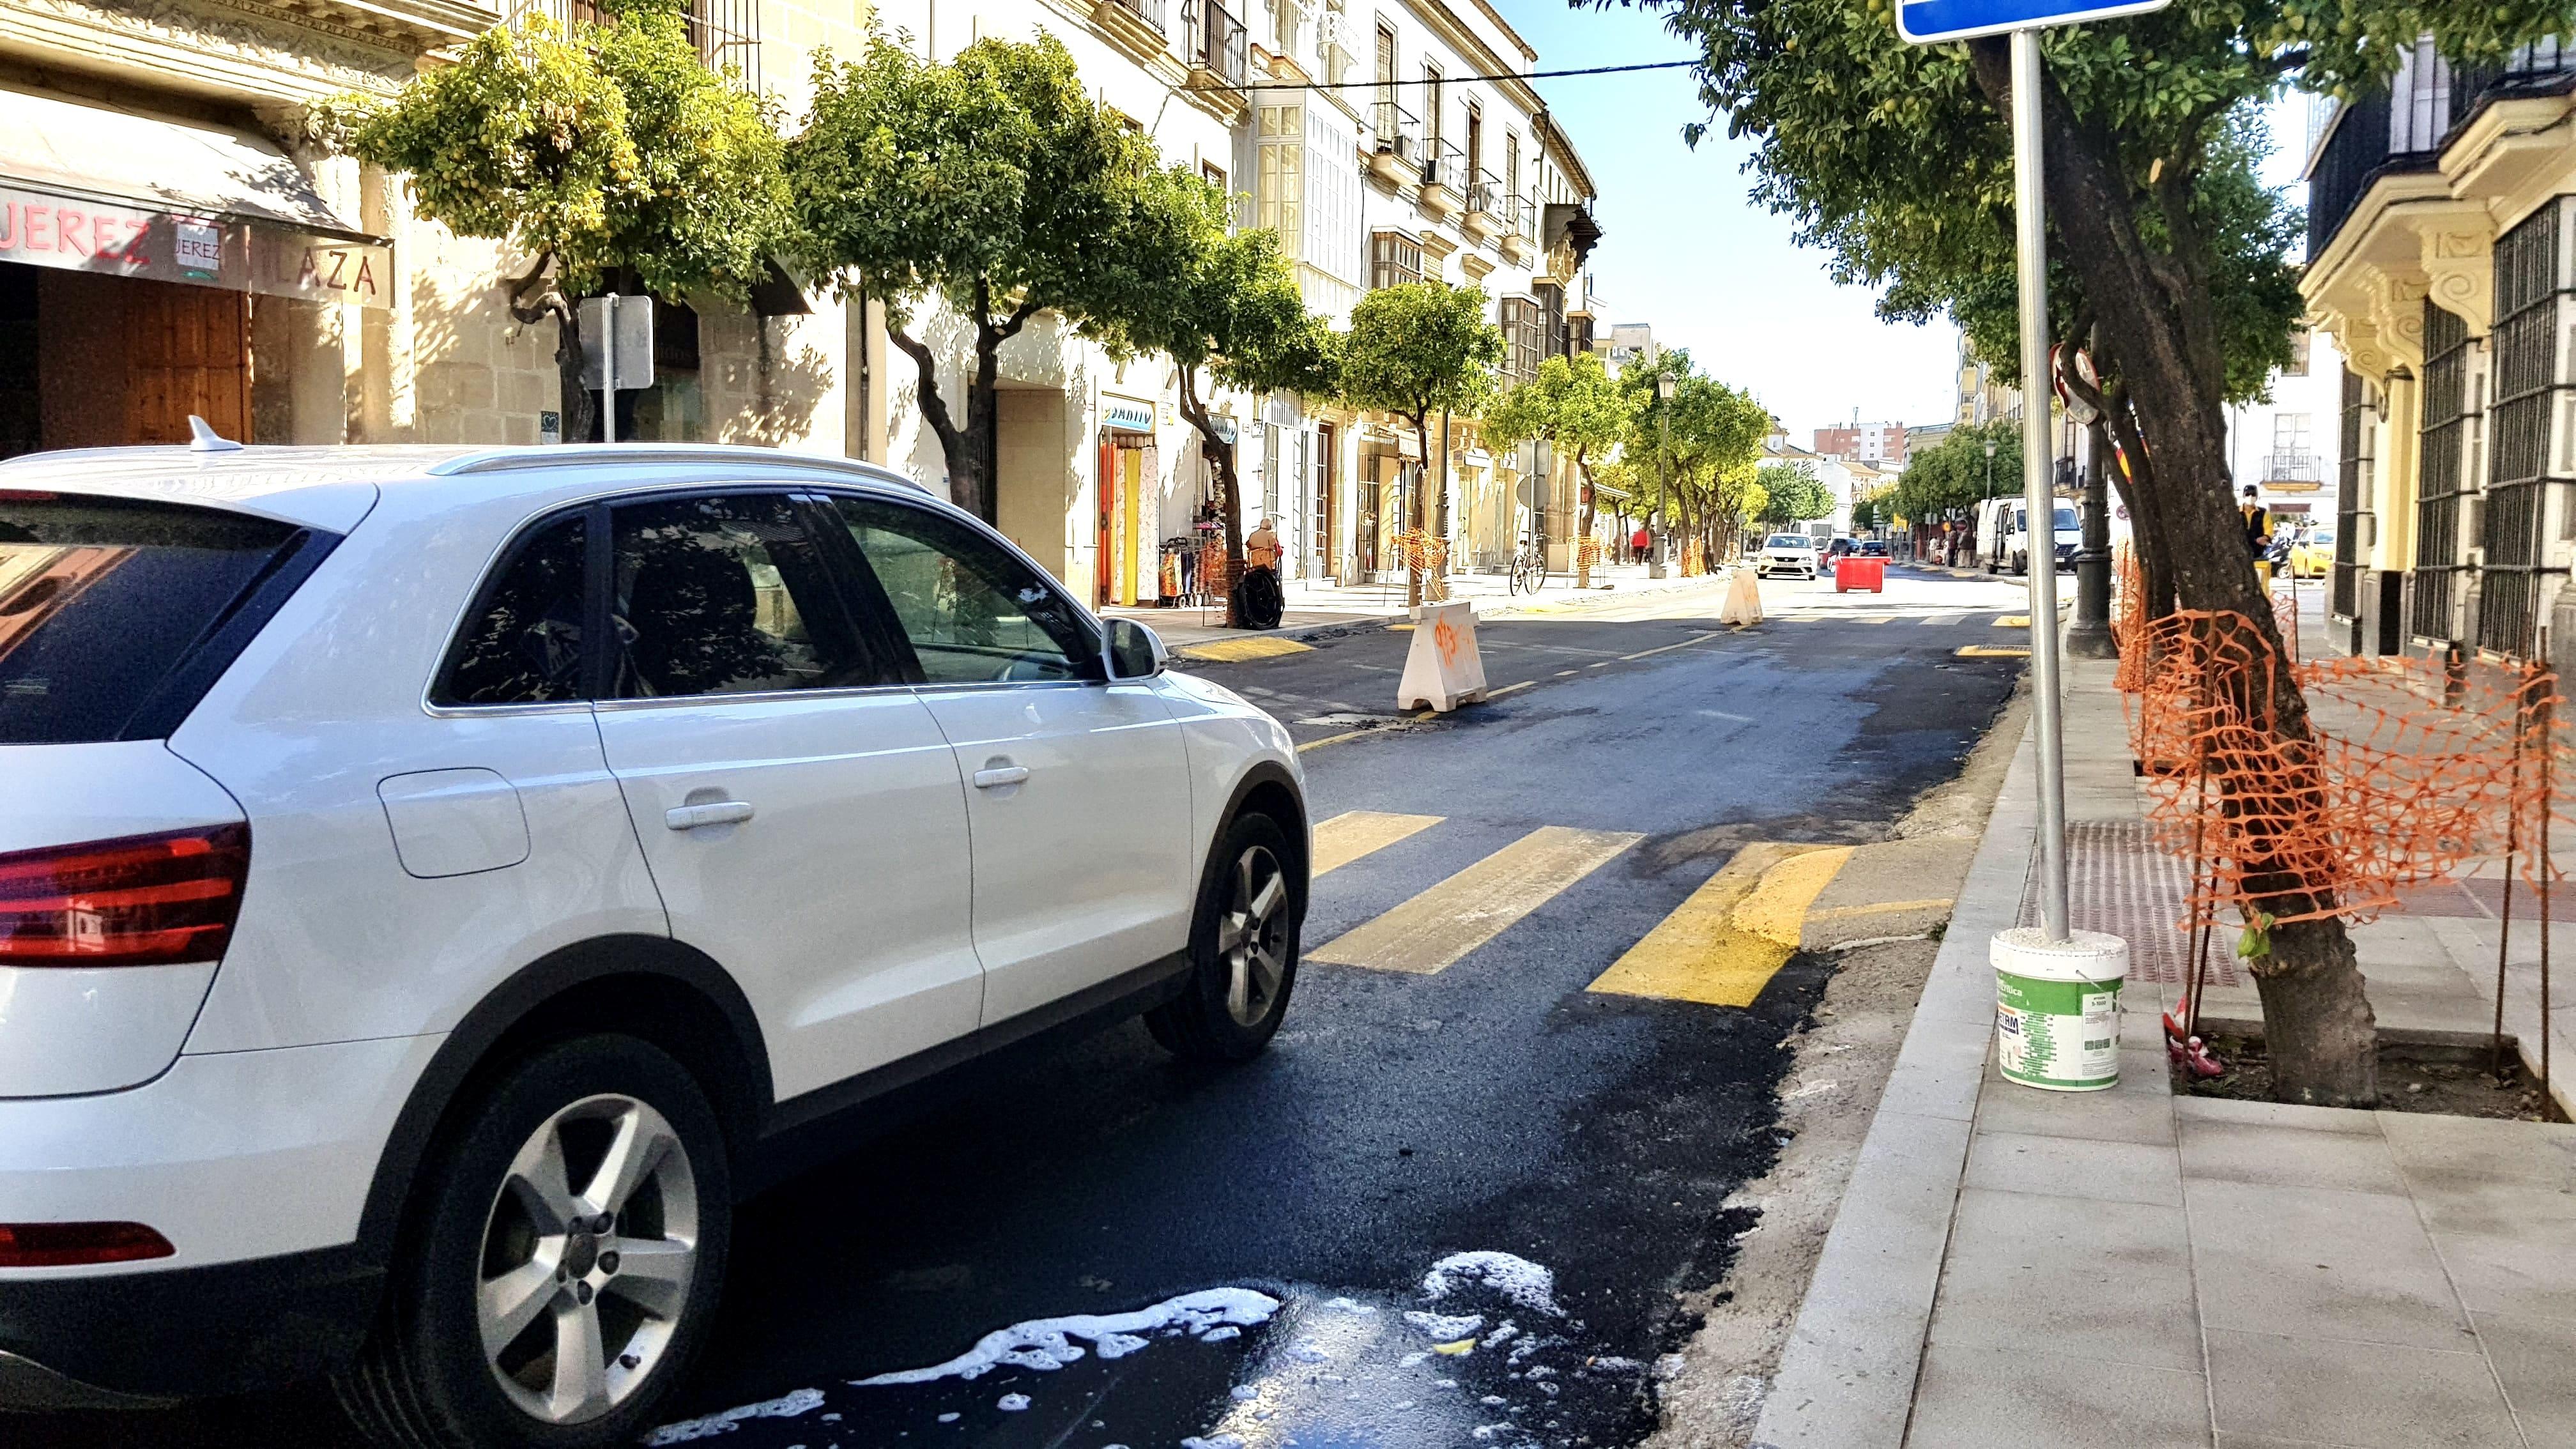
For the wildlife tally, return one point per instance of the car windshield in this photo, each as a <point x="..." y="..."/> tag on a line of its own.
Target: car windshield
<point x="1791" y="540"/>
<point x="2066" y="522"/>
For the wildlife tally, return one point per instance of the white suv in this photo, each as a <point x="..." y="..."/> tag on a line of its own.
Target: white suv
<point x="434" y="881"/>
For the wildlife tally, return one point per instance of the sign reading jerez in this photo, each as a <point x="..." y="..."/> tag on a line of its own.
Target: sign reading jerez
<point x="1926" y="22"/>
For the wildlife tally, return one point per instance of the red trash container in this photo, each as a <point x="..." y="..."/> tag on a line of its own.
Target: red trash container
<point x="1852" y="572"/>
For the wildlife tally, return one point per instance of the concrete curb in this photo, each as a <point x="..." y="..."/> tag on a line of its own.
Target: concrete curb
<point x="1847" y="1374"/>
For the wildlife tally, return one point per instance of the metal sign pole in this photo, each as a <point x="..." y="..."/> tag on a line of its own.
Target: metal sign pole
<point x="2038" y="469"/>
<point x="608" y="366"/>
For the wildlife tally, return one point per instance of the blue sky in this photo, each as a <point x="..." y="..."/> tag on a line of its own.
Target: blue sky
<point x="1684" y="248"/>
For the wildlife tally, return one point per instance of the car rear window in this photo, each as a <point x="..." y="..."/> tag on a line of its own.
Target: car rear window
<point x="109" y="606"/>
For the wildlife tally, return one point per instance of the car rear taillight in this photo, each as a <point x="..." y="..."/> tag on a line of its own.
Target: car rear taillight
<point x="144" y="900"/>
<point x="70" y="1245"/>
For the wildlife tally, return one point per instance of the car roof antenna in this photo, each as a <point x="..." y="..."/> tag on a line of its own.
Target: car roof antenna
<point x="202" y="438"/>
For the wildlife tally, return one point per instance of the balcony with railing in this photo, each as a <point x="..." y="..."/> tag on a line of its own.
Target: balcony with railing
<point x="1520" y="228"/>
<point x="1144" y="23"/>
<point x="1215" y="43"/>
<point x="2403" y="128"/>
<point x="1396" y="144"/>
<point x="1486" y="208"/>
<point x="2293" y="470"/>
<point x="726" y="32"/>
<point x="1443" y="180"/>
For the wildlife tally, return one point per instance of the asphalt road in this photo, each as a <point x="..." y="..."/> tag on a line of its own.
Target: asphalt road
<point x="1271" y="1252"/>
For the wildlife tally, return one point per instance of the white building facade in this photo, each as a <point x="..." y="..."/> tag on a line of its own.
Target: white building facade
<point x="2287" y="446"/>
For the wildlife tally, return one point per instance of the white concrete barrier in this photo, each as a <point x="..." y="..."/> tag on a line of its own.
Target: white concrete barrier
<point x="1444" y="668"/>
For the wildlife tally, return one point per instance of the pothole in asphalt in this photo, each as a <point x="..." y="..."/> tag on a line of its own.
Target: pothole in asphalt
<point x="1478" y="1354"/>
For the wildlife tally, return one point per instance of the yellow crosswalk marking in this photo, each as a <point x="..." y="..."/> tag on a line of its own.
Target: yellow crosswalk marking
<point x="1724" y="944"/>
<point x="1354" y="833"/>
<point x="1873" y="618"/>
<point x="1989" y="651"/>
<point x="1434" y="929"/>
<point x="1236" y="651"/>
<point x="2012" y="621"/>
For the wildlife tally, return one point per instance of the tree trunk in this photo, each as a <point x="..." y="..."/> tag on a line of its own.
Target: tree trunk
<point x="2161" y="333"/>
<point x="956" y="446"/>
<point x="580" y="407"/>
<point x="1229" y="492"/>
<point x="1583" y="523"/>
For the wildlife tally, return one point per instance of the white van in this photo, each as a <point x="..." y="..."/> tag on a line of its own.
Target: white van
<point x="2003" y="535"/>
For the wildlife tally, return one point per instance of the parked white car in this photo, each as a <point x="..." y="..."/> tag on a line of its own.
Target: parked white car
<point x="432" y="880"/>
<point x="1786" y="553"/>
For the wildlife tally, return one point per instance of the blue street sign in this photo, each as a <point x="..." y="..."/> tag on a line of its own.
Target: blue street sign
<point x="1926" y="22"/>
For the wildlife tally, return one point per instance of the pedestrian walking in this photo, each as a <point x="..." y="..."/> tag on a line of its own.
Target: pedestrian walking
<point x="1639" y="544"/>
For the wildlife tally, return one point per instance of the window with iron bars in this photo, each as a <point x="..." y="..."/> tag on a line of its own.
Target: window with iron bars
<point x="2529" y="286"/>
<point x="726" y="32"/>
<point x="2349" y="510"/>
<point x="1394" y="260"/>
<point x="2438" y="562"/>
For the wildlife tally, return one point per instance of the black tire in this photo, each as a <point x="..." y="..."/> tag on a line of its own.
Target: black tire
<point x="1263" y="599"/>
<point x="1202" y="1023"/>
<point x="423" y="1380"/>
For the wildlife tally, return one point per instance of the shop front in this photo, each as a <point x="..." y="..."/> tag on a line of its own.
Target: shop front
<point x="1130" y="509"/>
<point x="143" y="262"/>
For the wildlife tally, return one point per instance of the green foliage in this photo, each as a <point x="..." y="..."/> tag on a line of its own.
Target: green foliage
<point x="1951" y="476"/>
<point x="2253" y="289"/>
<point x="1893" y="157"/>
<point x="1791" y="493"/>
<point x="611" y="146"/>
<point x="1701" y="443"/>
<point x="1573" y="403"/>
<point x="1210" y="298"/>
<point x="1420" y="349"/>
<point x="992" y="179"/>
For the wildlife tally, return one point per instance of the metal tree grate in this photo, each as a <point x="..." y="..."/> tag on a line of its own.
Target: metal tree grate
<point x="2118" y="882"/>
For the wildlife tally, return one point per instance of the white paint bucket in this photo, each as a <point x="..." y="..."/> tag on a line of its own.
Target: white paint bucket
<point x="2057" y="1008"/>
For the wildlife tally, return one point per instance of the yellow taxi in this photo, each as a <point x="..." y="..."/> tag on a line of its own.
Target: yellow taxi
<point x="2312" y="553"/>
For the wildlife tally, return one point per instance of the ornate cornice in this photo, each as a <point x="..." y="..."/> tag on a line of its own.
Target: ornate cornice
<point x="2459" y="269"/>
<point x="2397" y="311"/>
<point x="209" y="46"/>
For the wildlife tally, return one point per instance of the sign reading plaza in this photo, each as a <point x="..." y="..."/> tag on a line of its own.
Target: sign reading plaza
<point x="1930" y="22"/>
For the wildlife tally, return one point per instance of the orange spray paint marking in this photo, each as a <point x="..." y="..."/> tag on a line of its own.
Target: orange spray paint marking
<point x="1447" y="638"/>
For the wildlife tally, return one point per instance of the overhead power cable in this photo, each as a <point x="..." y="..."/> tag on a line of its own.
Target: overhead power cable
<point x="1515" y="75"/>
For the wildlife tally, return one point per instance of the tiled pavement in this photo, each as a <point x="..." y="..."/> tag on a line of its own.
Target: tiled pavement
<point x="2137" y="1269"/>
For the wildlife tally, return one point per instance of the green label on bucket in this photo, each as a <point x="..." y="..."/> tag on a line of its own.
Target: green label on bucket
<point x="2063" y="1034"/>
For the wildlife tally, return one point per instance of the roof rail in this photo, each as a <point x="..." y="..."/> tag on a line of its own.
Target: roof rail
<point x="645" y="454"/>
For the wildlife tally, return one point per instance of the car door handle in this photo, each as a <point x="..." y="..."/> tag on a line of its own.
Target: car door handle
<point x="999" y="776"/>
<point x="716" y="812"/>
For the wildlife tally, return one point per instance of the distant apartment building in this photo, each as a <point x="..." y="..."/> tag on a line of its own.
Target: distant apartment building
<point x="1881" y="445"/>
<point x="2286" y="445"/>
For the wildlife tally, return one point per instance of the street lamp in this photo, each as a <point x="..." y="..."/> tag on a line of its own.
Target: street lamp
<point x="1666" y="385"/>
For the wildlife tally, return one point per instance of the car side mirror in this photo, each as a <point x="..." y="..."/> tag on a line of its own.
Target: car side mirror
<point x="1135" y="652"/>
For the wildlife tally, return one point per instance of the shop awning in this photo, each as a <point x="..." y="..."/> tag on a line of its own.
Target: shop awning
<point x="94" y="187"/>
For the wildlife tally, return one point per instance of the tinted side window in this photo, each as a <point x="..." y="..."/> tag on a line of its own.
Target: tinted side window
<point x="103" y="601"/>
<point x="523" y="643"/>
<point x="726" y="595"/>
<point x="974" y="614"/>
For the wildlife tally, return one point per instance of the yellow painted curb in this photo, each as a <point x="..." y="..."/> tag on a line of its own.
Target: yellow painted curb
<point x="1236" y="651"/>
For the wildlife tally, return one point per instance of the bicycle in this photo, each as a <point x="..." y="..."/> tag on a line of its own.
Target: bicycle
<point x="1529" y="566"/>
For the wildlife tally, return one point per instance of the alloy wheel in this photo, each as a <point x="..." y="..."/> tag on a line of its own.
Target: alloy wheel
<point x="1252" y="935"/>
<point x="587" y="1258"/>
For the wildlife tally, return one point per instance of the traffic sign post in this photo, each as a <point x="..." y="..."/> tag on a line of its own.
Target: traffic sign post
<point x="1930" y="22"/>
<point x="617" y="351"/>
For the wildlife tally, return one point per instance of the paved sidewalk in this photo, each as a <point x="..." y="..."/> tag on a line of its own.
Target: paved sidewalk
<point x="2132" y="1268"/>
<point x="1313" y="608"/>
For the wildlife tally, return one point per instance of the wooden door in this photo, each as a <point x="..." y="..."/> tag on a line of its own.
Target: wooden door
<point x="187" y="351"/>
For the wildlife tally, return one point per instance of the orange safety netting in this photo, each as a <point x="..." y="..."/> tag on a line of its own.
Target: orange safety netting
<point x="2329" y="787"/>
